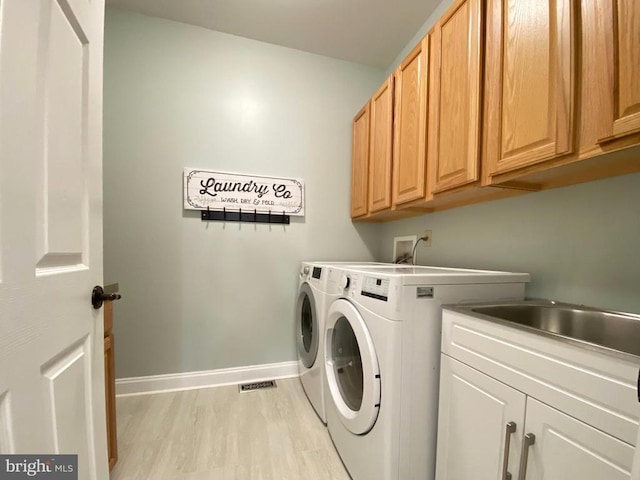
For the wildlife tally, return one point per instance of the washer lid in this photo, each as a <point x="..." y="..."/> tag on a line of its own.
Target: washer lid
<point x="307" y="326"/>
<point x="352" y="369"/>
<point x="423" y="275"/>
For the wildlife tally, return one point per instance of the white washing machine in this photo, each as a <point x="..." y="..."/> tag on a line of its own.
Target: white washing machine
<point x="382" y="361"/>
<point x="310" y="320"/>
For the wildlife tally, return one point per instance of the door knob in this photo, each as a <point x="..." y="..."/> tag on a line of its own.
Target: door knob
<point x="98" y="297"/>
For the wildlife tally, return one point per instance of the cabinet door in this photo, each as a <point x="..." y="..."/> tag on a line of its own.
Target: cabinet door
<point x="360" y="163"/>
<point x="566" y="448"/>
<point x="530" y="78"/>
<point x="381" y="145"/>
<point x="409" y="159"/>
<point x="472" y="424"/>
<point x="626" y="67"/>
<point x="455" y="97"/>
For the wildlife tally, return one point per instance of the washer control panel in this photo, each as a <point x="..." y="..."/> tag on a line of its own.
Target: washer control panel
<point x="377" y="288"/>
<point x="347" y="284"/>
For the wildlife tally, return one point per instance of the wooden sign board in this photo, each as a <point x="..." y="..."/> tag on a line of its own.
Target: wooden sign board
<point x="234" y="191"/>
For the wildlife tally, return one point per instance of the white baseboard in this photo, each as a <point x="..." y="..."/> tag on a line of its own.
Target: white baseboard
<point x="204" y="379"/>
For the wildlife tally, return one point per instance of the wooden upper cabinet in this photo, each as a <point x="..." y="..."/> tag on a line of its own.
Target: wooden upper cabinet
<point x="625" y="60"/>
<point x="409" y="144"/>
<point x="360" y="163"/>
<point x="455" y="97"/>
<point x="520" y="94"/>
<point x="530" y="82"/>
<point x="381" y="148"/>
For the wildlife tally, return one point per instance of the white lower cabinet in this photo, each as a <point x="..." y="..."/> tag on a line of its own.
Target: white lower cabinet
<point x="483" y="421"/>
<point x="479" y="418"/>
<point x="515" y="405"/>
<point x="566" y="448"/>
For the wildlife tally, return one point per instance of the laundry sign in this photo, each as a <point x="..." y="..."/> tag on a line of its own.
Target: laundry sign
<point x="234" y="191"/>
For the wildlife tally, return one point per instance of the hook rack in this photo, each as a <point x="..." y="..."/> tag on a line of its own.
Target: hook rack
<point x="225" y="215"/>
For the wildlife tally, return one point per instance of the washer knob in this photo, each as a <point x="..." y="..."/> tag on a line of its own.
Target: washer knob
<point x="345" y="281"/>
<point x="305" y="270"/>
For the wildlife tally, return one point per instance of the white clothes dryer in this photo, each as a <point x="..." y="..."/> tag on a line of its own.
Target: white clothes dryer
<point x="382" y="361"/>
<point x="310" y="314"/>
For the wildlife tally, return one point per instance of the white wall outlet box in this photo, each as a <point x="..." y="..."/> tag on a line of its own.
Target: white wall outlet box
<point x="427" y="238"/>
<point x="403" y="248"/>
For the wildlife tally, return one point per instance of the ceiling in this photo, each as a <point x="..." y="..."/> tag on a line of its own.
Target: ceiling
<point x="371" y="32"/>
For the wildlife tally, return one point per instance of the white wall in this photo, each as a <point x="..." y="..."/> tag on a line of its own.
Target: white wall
<point x="197" y="295"/>
<point x="581" y="243"/>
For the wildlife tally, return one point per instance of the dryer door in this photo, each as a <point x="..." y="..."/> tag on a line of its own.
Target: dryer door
<point x="307" y="326"/>
<point x="352" y="370"/>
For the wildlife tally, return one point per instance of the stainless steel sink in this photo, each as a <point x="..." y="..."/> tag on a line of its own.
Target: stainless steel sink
<point x="619" y="332"/>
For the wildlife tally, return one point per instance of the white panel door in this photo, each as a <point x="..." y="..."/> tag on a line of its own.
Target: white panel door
<point x="565" y="448"/>
<point x="51" y="339"/>
<point x="480" y="423"/>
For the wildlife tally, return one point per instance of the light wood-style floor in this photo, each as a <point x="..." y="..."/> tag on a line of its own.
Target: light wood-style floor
<point x="220" y="434"/>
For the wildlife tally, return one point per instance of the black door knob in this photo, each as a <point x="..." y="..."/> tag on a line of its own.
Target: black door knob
<point x="98" y="297"/>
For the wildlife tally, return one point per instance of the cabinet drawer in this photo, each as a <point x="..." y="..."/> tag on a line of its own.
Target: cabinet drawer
<point x="598" y="389"/>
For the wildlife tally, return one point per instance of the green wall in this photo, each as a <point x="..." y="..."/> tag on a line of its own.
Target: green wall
<point x="204" y="296"/>
<point x="580" y="243"/>
<point x="209" y="295"/>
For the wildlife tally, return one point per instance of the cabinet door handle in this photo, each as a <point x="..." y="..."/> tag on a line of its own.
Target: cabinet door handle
<point x="529" y="439"/>
<point x="510" y="428"/>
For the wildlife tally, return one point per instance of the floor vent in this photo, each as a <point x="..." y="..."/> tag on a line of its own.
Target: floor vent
<point x="250" y="387"/>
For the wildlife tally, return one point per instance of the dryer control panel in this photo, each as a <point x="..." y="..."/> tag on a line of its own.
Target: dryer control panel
<point x="377" y="288"/>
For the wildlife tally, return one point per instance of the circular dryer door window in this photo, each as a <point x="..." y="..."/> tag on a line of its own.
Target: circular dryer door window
<point x="352" y="368"/>
<point x="307" y="326"/>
